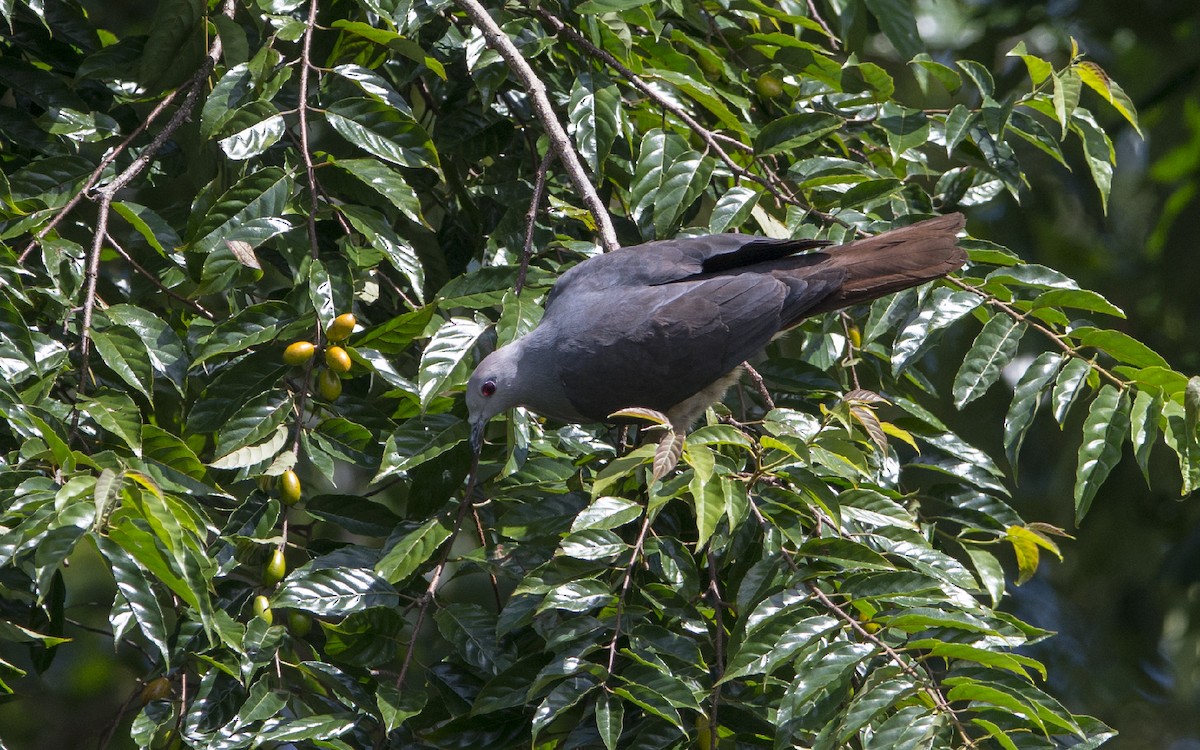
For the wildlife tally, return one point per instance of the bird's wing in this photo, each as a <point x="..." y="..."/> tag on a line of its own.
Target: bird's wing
<point x="669" y="261"/>
<point x="656" y="346"/>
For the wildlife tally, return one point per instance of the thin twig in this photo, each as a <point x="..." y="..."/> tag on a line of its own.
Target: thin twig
<point x="539" y="189"/>
<point x="714" y="592"/>
<point x="435" y="579"/>
<point x="154" y="280"/>
<point x="633" y="561"/>
<point x="760" y="384"/>
<point x="850" y="348"/>
<point x="89" y="298"/>
<point x="109" y="158"/>
<point x="487" y="548"/>
<point x="560" y="142"/>
<point x="302" y="108"/>
<point x="816" y="16"/>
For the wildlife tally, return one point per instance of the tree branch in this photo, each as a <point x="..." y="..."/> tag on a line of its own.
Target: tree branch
<point x="710" y="138"/>
<point x="560" y="142"/>
<point x="1055" y="337"/>
<point x="539" y="189"/>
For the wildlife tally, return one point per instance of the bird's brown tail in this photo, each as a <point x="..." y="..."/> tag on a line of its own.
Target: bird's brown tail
<point x="894" y="260"/>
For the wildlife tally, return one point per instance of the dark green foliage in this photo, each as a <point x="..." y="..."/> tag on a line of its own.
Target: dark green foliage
<point x="821" y="571"/>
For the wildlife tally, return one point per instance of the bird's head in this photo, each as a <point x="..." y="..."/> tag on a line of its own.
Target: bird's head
<point x="491" y="390"/>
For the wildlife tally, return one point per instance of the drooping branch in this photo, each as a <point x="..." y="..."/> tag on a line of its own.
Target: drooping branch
<point x="560" y="142"/>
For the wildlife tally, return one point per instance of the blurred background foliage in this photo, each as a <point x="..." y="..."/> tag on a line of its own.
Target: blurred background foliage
<point x="1126" y="601"/>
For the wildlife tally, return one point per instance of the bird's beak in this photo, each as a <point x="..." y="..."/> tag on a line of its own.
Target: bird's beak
<point x="477" y="435"/>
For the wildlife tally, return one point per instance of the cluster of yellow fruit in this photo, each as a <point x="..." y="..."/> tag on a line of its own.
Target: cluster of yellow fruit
<point x="337" y="361"/>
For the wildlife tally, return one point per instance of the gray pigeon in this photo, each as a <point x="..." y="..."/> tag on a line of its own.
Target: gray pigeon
<point x="666" y="325"/>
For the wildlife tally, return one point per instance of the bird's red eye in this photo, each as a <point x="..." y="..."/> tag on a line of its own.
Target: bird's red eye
<point x="488" y="387"/>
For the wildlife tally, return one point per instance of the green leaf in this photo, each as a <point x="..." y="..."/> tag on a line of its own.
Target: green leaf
<point x="334" y="591"/>
<point x="383" y="131"/>
<point x="1120" y="346"/>
<point x="412" y="550"/>
<point x="472" y="630"/>
<point x="1104" y="431"/>
<point x="898" y="24"/>
<point x="395" y="335"/>
<point x="993" y="348"/>
<point x="1098" y="150"/>
<point x="160" y="342"/>
<point x="1067" y="85"/>
<point x="249" y="455"/>
<point x="610" y="716"/>
<point x="733" y="209"/>
<point x="254" y="422"/>
<point x="443" y="357"/>
<point x="1079" y="299"/>
<point x="126" y="355"/>
<point x="790" y="132"/>
<point x="595" y="114"/>
<point x="252" y="130"/>
<point x="564" y="695"/>
<point x="420" y="440"/>
<point x="1027" y="398"/>
<point x="607" y="512"/>
<point x="958" y="124"/>
<point x="905" y="128"/>
<point x="384" y="238"/>
<point x="925" y="67"/>
<point x="387" y="182"/>
<point x="116" y="412"/>
<point x="1011" y="662"/>
<point x="1096" y="79"/>
<point x="684" y="181"/>
<point x="940" y="309"/>
<point x="259" y="195"/>
<point x="870" y="192"/>
<point x="659" y="150"/>
<point x="1144" y="417"/>
<point x="134" y="589"/>
<point x="1070" y="383"/>
<point x="1039" y="69"/>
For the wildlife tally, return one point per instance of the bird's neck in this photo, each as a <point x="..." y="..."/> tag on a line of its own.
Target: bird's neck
<point x="537" y="384"/>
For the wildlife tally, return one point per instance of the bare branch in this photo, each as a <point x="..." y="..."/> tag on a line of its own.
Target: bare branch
<point x="539" y="189"/>
<point x="309" y="172"/>
<point x="559" y="140"/>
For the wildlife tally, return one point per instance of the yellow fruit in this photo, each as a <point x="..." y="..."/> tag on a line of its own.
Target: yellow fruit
<point x="156" y="690"/>
<point x="298" y="352"/>
<point x="341" y="327"/>
<point x="299" y="623"/>
<point x="329" y="385"/>
<point x="769" y="85"/>
<point x="337" y="359"/>
<point x="289" y="487"/>
<point x="855" y="337"/>
<point x="262" y="609"/>
<point x="276" y="569"/>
